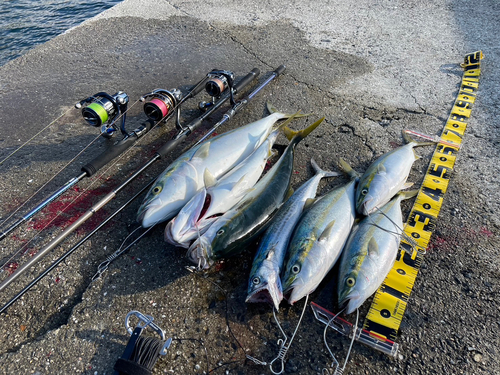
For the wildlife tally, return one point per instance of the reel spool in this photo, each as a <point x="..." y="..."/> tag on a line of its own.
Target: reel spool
<point x="103" y="110"/>
<point x="218" y="82"/>
<point x="161" y="103"/>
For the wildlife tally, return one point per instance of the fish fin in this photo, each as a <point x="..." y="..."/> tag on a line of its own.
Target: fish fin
<point x="407" y="185"/>
<point x="202" y="152"/>
<point x="326" y="233"/>
<point x="318" y="170"/>
<point x="381" y="169"/>
<point x="208" y="178"/>
<point x="373" y="247"/>
<point x="346" y="168"/>
<point x="308" y="203"/>
<point x="298" y="135"/>
<point x="408" y="194"/>
<point x="272" y="109"/>
<point x="289" y="193"/>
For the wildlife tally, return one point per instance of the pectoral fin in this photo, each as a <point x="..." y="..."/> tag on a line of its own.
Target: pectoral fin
<point x="381" y="169"/>
<point x="208" y="178"/>
<point x="372" y="247"/>
<point x="327" y="232"/>
<point x="309" y="202"/>
<point x="240" y="187"/>
<point x="203" y="151"/>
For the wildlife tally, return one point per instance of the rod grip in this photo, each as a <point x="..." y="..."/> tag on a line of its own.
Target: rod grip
<point x="113" y="151"/>
<point x="246" y="80"/>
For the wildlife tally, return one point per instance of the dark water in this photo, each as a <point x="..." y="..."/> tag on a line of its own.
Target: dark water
<point x="27" y="23"/>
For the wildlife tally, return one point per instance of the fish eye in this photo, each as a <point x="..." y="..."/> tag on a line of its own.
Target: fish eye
<point x="157" y="189"/>
<point x="256" y="281"/>
<point x="220" y="232"/>
<point x="296" y="269"/>
<point x="350" y="282"/>
<point x="364" y="191"/>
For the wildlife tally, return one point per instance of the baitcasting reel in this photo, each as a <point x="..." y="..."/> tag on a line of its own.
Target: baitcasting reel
<point x="103" y="110"/>
<point x="161" y="104"/>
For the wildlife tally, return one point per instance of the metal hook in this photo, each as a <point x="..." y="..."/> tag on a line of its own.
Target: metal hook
<point x="283" y="342"/>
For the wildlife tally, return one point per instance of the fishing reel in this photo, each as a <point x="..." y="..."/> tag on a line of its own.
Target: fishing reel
<point x="218" y="81"/>
<point x="103" y="110"/>
<point x="161" y="103"/>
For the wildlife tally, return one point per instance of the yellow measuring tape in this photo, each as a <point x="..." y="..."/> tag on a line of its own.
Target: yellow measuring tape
<point x="389" y="303"/>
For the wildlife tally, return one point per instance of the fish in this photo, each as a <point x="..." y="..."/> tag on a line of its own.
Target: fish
<point x="183" y="178"/>
<point x="319" y="238"/>
<point x="370" y="253"/>
<point x="237" y="227"/>
<point x="217" y="197"/>
<point x="264" y="284"/>
<point x="386" y="177"/>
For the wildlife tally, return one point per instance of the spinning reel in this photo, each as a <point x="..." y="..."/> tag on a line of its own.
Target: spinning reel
<point x="161" y="103"/>
<point x="103" y="110"/>
<point x="217" y="82"/>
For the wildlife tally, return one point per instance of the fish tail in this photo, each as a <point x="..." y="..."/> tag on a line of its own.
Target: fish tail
<point x="297" y="135"/>
<point x="409" y="139"/>
<point x="348" y="169"/>
<point x="272" y="109"/>
<point x="318" y="170"/>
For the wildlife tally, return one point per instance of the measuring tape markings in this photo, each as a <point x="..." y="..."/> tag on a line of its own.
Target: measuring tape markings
<point x="389" y="303"/>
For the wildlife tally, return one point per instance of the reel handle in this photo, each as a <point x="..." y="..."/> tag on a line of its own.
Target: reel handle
<point x="116" y="149"/>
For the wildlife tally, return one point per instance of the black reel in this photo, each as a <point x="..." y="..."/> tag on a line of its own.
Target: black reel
<point x="102" y="110"/>
<point x="218" y="82"/>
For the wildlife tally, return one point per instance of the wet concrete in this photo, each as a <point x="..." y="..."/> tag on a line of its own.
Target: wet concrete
<point x="371" y="69"/>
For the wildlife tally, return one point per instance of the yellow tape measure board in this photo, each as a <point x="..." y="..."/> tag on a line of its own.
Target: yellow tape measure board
<point x="389" y="303"/>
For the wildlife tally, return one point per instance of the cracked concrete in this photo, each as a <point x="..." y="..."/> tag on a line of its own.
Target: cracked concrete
<point x="372" y="68"/>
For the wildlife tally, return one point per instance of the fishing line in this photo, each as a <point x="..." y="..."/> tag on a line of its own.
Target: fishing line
<point x="63" y="168"/>
<point x="338" y="370"/>
<point x="36" y="135"/>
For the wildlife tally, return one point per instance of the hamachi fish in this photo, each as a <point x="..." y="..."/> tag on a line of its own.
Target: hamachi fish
<point x="264" y="284"/>
<point x="237" y="227"/>
<point x="318" y="239"/>
<point x="386" y="177"/>
<point x="370" y="253"/>
<point x="184" y="177"/>
<point x="217" y="197"/>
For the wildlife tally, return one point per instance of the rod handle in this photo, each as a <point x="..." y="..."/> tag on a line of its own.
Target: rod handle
<point x="114" y="150"/>
<point x="246" y="80"/>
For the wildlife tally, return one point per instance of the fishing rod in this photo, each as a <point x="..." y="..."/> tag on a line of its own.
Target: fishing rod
<point x="162" y="152"/>
<point x="98" y="109"/>
<point x="58" y="261"/>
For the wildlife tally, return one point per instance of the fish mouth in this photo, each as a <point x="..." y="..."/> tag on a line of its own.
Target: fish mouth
<point x="174" y="239"/>
<point x="365" y="207"/>
<point x="352" y="300"/>
<point x="295" y="292"/>
<point x="269" y="293"/>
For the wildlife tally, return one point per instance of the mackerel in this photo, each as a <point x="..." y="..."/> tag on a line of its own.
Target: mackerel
<point x="237" y="227"/>
<point x="264" y="284"/>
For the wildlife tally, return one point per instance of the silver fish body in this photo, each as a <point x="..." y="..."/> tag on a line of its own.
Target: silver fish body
<point x="317" y="241"/>
<point x="233" y="230"/>
<point x="369" y="254"/>
<point x="213" y="201"/>
<point x="384" y="178"/>
<point x="264" y="284"/>
<point x="184" y="177"/>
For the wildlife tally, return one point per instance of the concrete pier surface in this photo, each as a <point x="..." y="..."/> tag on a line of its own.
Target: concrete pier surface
<point x="372" y="68"/>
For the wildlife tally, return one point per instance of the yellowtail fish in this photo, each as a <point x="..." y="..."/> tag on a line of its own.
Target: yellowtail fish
<point x="184" y="177"/>
<point x="219" y="196"/>
<point x="370" y="253"/>
<point x="264" y="284"/>
<point x="318" y="239"/>
<point x="233" y="230"/>
<point x="386" y="177"/>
